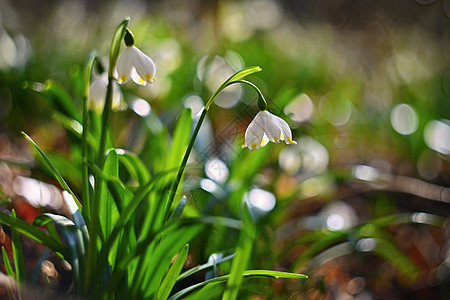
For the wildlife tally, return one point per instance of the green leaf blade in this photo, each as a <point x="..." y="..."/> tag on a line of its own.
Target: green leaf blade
<point x="236" y="76"/>
<point x="245" y="274"/>
<point x="9" y="269"/>
<point x="171" y="277"/>
<point x="243" y="73"/>
<point x="243" y="252"/>
<point x="17" y="252"/>
<point x="180" y="139"/>
<point x="52" y="168"/>
<point x="108" y="213"/>
<point x="273" y="274"/>
<point x="135" y="166"/>
<point x="33" y="233"/>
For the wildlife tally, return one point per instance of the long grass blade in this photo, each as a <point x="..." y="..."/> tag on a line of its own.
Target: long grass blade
<point x="178" y="210"/>
<point x="165" y="249"/>
<point x="210" y="291"/>
<point x="203" y="267"/>
<point x="123" y="220"/>
<point x="134" y="165"/>
<point x="55" y="91"/>
<point x="75" y="127"/>
<point x="52" y="168"/>
<point x="34" y="233"/>
<point x="171" y="276"/>
<point x="143" y="246"/>
<point x="10" y="272"/>
<point x="71" y="235"/>
<point x="245" y="274"/>
<point x="7" y="263"/>
<point x="243" y="252"/>
<point x="19" y="262"/>
<point x="107" y="210"/>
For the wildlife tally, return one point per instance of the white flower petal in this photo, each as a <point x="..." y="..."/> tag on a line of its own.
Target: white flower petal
<point x="124" y="66"/>
<point x="97" y="93"/>
<point x="266" y="127"/>
<point x="136" y="78"/>
<point x="265" y="140"/>
<point x="254" y="133"/>
<point x="285" y="130"/>
<point x="271" y="129"/>
<point x="118" y="104"/>
<point x="134" y="64"/>
<point x="144" y="65"/>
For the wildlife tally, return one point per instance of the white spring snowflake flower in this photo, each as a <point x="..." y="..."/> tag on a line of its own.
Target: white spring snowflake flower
<point x="97" y="94"/>
<point x="267" y="127"/>
<point x="135" y="64"/>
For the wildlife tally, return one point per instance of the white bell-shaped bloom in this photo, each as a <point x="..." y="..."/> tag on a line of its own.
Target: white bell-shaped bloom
<point x="134" y="64"/>
<point x="267" y="127"/>
<point x="97" y="94"/>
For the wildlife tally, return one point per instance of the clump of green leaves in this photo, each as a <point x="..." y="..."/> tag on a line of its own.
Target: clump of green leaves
<point x="122" y="241"/>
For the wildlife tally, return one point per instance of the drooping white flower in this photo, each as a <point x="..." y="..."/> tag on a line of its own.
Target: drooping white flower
<point x="267" y="127"/>
<point x="97" y="94"/>
<point x="134" y="64"/>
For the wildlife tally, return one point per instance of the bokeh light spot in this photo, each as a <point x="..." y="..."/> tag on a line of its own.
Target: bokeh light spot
<point x="339" y="215"/>
<point x="335" y="222"/>
<point x="216" y="170"/>
<point x="141" y="107"/>
<point x="263" y="14"/>
<point x="208" y="185"/>
<point x="260" y="199"/>
<point x="404" y="119"/>
<point x="38" y="193"/>
<point x="366" y="245"/>
<point x="365" y="173"/>
<point x="300" y="109"/>
<point x="195" y="103"/>
<point x="290" y="160"/>
<point x="335" y="109"/>
<point x="216" y="70"/>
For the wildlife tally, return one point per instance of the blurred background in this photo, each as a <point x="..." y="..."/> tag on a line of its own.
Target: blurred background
<point x="360" y="204"/>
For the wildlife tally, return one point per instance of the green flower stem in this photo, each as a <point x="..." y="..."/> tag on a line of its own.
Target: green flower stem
<point x="84" y="146"/>
<point x="184" y="162"/>
<point x="236" y="78"/>
<point x="262" y="103"/>
<point x="106" y="115"/>
<point x="115" y="45"/>
<point x="95" y="222"/>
